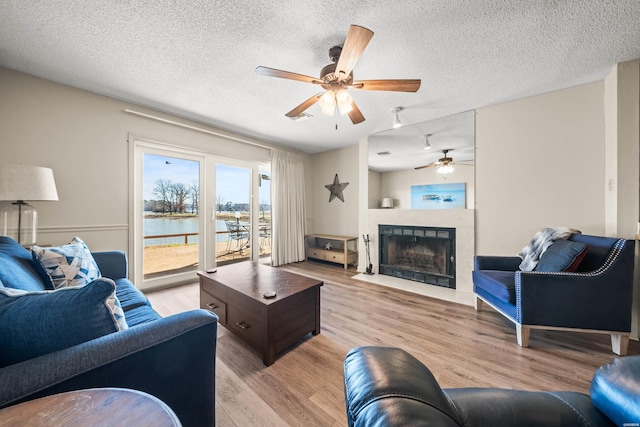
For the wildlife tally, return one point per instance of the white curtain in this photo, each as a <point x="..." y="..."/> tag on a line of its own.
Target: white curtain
<point x="287" y="208"/>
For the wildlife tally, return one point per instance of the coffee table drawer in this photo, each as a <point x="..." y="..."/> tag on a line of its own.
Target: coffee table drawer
<point x="214" y="289"/>
<point x="212" y="303"/>
<point x="246" y="326"/>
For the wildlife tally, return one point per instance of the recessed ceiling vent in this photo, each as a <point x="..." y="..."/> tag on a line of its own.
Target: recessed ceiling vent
<point x="383" y="153"/>
<point x="301" y="116"/>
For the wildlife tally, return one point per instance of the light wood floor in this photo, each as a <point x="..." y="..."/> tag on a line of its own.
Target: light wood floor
<point x="463" y="348"/>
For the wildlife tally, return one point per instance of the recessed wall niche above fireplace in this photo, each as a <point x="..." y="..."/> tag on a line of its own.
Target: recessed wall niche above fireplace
<point x="421" y="254"/>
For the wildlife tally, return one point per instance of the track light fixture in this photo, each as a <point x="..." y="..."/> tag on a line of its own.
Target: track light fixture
<point x="427" y="144"/>
<point x="396" y="119"/>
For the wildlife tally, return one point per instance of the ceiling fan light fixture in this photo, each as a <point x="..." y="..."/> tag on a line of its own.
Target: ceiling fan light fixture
<point x="396" y="119"/>
<point x="445" y="169"/>
<point x="345" y="102"/>
<point x="327" y="102"/>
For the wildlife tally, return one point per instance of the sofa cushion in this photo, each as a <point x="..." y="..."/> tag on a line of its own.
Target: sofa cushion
<point x="38" y="323"/>
<point x="130" y="297"/>
<point x="141" y="314"/>
<point x="562" y="255"/>
<point x="17" y="269"/>
<point x="501" y="284"/>
<point x="68" y="265"/>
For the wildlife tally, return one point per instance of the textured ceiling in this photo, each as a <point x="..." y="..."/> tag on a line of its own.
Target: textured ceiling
<point x="197" y="58"/>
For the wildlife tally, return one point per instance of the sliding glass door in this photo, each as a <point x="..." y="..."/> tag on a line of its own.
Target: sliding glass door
<point x="171" y="189"/>
<point x="193" y="211"/>
<point x="167" y="211"/>
<point x="241" y="233"/>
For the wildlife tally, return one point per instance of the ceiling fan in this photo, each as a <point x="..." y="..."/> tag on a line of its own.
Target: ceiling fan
<point x="337" y="77"/>
<point x="444" y="164"/>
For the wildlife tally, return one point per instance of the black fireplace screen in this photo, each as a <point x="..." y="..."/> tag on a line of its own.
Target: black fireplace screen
<point x="421" y="254"/>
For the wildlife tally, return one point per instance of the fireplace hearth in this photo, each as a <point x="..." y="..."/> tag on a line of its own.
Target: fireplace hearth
<point x="421" y="254"/>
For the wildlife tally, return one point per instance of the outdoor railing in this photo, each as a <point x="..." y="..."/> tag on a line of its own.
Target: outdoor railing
<point x="186" y="236"/>
<point x="169" y="236"/>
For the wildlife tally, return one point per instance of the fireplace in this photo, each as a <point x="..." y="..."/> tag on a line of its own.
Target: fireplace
<point x="421" y="254"/>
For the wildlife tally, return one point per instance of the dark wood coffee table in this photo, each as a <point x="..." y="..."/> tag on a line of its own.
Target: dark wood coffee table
<point x="236" y="293"/>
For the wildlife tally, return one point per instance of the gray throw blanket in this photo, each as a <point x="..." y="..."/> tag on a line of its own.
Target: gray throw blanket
<point x="541" y="241"/>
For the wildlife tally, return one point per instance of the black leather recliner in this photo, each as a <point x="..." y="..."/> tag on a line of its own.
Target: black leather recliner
<point x="389" y="387"/>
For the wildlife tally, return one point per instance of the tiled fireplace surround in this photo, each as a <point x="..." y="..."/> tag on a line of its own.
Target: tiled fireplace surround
<point x="460" y="219"/>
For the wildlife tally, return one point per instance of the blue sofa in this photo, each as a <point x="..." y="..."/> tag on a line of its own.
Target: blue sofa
<point x="596" y="297"/>
<point x="389" y="387"/>
<point x="172" y="358"/>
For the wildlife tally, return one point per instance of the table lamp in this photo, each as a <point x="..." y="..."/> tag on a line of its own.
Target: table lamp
<point x="387" y="203"/>
<point x="18" y="183"/>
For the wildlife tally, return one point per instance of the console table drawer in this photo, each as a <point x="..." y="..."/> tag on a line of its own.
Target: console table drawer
<point x="246" y="326"/>
<point x="211" y="303"/>
<point x="325" y="255"/>
<point x="316" y="253"/>
<point x="334" y="256"/>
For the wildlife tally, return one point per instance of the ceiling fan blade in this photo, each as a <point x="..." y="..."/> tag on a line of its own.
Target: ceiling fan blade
<point x="425" y="166"/>
<point x="392" y="85"/>
<point x="355" y="114"/>
<point x="306" y="104"/>
<point x="357" y="40"/>
<point x="272" y="72"/>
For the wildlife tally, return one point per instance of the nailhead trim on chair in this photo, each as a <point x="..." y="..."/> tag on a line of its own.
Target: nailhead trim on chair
<point x="613" y="255"/>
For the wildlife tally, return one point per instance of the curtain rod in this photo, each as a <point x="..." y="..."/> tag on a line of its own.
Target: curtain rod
<point x="195" y="128"/>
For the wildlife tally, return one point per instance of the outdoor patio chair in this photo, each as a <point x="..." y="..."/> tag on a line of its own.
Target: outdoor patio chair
<point x="238" y="234"/>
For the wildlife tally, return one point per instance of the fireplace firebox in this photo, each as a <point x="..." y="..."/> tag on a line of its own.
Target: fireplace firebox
<point x="421" y="254"/>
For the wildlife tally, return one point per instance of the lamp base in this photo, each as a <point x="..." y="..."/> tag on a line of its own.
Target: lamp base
<point x="19" y="221"/>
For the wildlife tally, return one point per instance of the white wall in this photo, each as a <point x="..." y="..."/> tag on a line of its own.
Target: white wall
<point x="335" y="217"/>
<point x="622" y="115"/>
<point x="375" y="193"/>
<point x="539" y="163"/>
<point x="622" y="139"/>
<point x="82" y="136"/>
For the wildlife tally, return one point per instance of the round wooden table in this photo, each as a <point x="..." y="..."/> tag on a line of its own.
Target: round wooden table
<point x="91" y="407"/>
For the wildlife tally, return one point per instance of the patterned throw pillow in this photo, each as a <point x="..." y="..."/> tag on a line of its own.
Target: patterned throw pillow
<point x="38" y="323"/>
<point x="68" y="265"/>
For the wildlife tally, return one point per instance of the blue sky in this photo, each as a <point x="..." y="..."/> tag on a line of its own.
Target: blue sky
<point x="232" y="182"/>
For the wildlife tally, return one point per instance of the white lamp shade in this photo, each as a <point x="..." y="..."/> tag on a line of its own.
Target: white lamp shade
<point x="328" y="102"/>
<point x="445" y="169"/>
<point x="345" y="102"/>
<point x="18" y="183"/>
<point x="387" y="202"/>
<point x="24" y="182"/>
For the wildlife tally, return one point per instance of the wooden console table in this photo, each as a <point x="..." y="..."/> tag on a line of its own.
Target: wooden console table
<point x="327" y="247"/>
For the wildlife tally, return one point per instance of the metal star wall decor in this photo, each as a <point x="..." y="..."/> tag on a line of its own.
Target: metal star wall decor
<point x="336" y="189"/>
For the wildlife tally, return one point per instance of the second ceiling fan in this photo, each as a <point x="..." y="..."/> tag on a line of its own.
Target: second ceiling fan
<point x="445" y="164"/>
<point x="337" y="77"/>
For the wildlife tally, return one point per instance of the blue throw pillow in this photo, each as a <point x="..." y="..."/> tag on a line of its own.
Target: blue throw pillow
<point x="68" y="265"/>
<point x="562" y="255"/>
<point x="17" y="269"/>
<point x="38" y="323"/>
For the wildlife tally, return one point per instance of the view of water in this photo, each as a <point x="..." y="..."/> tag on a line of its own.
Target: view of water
<point x="438" y="196"/>
<point x="160" y="226"/>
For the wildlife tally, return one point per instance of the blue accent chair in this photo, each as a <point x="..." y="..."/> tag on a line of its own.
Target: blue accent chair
<point x="171" y="358"/>
<point x="596" y="298"/>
